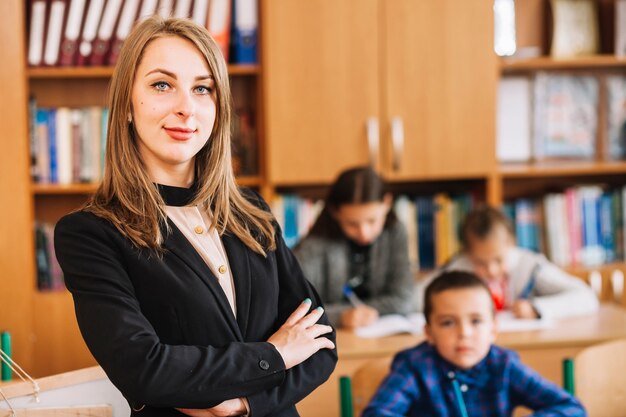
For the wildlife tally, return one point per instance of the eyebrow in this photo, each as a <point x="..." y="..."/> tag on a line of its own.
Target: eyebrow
<point x="172" y="75"/>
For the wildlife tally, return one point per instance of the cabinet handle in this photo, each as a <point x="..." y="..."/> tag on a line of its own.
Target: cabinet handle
<point x="397" y="141"/>
<point x="373" y="139"/>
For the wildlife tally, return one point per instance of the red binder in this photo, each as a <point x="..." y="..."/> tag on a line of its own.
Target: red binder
<point x="90" y="29"/>
<point x="125" y="24"/>
<point x="37" y="31"/>
<point x="105" y="32"/>
<point x="69" y="44"/>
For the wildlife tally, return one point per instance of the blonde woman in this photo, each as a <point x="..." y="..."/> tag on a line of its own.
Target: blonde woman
<point x="184" y="290"/>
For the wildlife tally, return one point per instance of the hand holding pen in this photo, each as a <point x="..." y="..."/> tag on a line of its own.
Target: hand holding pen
<point x="360" y="314"/>
<point x="522" y="308"/>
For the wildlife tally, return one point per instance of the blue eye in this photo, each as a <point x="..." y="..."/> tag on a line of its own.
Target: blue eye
<point x="446" y="323"/>
<point x="161" y="85"/>
<point x="204" y="89"/>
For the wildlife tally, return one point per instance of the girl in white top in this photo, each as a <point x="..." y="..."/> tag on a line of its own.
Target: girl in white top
<point x="519" y="279"/>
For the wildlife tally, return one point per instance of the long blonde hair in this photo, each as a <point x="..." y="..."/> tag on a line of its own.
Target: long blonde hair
<point x="128" y="198"/>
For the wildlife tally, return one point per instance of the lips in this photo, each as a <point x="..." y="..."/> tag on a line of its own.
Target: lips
<point x="179" y="133"/>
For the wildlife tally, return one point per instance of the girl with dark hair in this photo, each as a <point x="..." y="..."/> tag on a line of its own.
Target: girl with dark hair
<point x="356" y="253"/>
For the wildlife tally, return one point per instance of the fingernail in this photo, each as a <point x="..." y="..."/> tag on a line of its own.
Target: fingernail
<point x="307" y="301"/>
<point x="320" y="309"/>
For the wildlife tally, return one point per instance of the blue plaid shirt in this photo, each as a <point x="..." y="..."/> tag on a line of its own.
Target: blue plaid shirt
<point x="421" y="384"/>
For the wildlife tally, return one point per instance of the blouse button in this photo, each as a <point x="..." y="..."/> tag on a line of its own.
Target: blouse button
<point x="198" y="230"/>
<point x="463" y="388"/>
<point x="222" y="269"/>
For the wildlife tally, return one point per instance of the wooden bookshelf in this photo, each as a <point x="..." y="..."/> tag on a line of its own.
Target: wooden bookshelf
<point x="548" y="63"/>
<point x="106" y="72"/>
<point x="88" y="188"/>
<point x="562" y="169"/>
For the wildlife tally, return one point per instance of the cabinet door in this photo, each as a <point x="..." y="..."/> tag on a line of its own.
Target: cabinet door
<point x="439" y="79"/>
<point x="320" y="79"/>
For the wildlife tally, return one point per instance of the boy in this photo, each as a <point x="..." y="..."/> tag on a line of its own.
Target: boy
<point x="457" y="372"/>
<point x="519" y="279"/>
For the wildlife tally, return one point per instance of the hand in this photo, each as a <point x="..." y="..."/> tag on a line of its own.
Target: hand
<point x="298" y="339"/>
<point x="359" y="316"/>
<point x="234" y="407"/>
<point x="523" y="309"/>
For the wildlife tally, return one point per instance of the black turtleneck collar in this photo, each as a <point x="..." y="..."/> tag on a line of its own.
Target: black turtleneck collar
<point x="176" y="196"/>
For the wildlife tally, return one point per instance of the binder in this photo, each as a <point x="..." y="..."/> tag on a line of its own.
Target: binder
<point x="219" y="24"/>
<point x="165" y="8"/>
<point x="103" y="40"/>
<point x="64" y="145"/>
<point x="148" y="8"/>
<point x="245" y="24"/>
<point x="69" y="44"/>
<point x="125" y="24"/>
<point x="182" y="8"/>
<point x="90" y="29"/>
<point x="200" y="11"/>
<point x="56" y="20"/>
<point x="37" y="31"/>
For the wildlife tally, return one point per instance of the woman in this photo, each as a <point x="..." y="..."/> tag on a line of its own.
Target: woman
<point x="356" y="253"/>
<point x="183" y="288"/>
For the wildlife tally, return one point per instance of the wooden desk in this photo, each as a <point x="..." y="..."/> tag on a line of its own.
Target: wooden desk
<point x="543" y="350"/>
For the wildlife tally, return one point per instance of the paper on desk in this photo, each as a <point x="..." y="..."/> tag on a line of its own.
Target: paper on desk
<point x="414" y="324"/>
<point x="508" y="323"/>
<point x="393" y="324"/>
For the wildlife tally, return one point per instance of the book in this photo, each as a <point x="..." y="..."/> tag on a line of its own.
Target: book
<point x="575" y="28"/>
<point x="69" y="44"/>
<point x="90" y="30"/>
<point x="103" y="39"/>
<point x="244" y="31"/>
<point x="513" y="128"/>
<point x="55" y="25"/>
<point x="125" y="24"/>
<point x="414" y="323"/>
<point x="37" y="32"/>
<point x="200" y="12"/>
<point x="616" y="117"/>
<point x="218" y="24"/>
<point x="620" y="28"/>
<point x="565" y="115"/>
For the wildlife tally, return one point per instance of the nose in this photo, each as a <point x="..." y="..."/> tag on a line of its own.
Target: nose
<point x="185" y="105"/>
<point x="494" y="270"/>
<point x="364" y="233"/>
<point x="465" y="330"/>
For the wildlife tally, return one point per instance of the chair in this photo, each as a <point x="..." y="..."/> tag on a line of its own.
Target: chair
<point x="356" y="391"/>
<point x="597" y="376"/>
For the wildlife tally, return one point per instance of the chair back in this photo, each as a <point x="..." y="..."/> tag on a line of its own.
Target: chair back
<point x="366" y="380"/>
<point x="600" y="379"/>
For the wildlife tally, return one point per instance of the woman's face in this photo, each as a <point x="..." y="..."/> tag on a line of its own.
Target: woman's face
<point x="173" y="102"/>
<point x="362" y="223"/>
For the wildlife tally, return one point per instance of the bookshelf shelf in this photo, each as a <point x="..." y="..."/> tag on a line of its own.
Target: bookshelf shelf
<point x="562" y="168"/>
<point x="66" y="189"/>
<point x="547" y="63"/>
<point x="106" y="72"/>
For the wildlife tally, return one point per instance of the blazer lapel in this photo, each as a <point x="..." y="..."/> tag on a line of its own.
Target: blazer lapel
<point x="239" y="263"/>
<point x="178" y="245"/>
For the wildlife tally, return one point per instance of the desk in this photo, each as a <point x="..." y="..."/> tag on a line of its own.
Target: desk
<point x="543" y="350"/>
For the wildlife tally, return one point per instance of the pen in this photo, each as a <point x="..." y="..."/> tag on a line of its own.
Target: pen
<point x="351" y="296"/>
<point x="530" y="286"/>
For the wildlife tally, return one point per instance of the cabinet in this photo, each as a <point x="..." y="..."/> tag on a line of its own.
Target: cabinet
<point x="341" y="77"/>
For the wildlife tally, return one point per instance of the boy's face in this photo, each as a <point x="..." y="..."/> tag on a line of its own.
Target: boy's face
<point x="461" y="325"/>
<point x="489" y="256"/>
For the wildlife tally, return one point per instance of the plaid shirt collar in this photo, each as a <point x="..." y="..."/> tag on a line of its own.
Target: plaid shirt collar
<point x="476" y="376"/>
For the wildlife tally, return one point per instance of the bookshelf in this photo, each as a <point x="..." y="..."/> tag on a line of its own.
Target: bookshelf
<point x="428" y="64"/>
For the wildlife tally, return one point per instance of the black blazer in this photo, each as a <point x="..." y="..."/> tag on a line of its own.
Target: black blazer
<point x="162" y="328"/>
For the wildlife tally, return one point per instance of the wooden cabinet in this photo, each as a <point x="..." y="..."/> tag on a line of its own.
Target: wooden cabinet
<point x="408" y="86"/>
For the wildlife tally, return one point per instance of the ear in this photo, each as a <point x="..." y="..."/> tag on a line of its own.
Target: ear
<point x="494" y="329"/>
<point x="429" y="335"/>
<point x="388" y="201"/>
